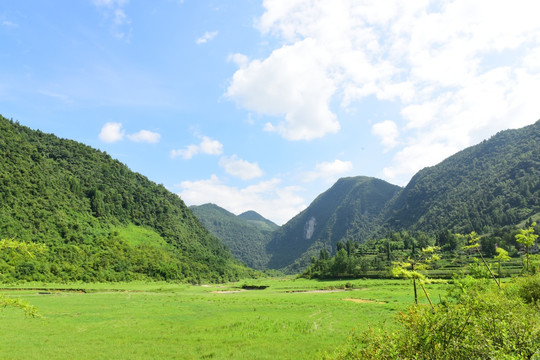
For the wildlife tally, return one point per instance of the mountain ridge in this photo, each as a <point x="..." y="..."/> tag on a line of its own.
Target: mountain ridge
<point x="491" y="184"/>
<point x="88" y="208"/>
<point x="246" y="235"/>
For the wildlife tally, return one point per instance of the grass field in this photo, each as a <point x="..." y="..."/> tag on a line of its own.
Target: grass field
<point x="291" y="319"/>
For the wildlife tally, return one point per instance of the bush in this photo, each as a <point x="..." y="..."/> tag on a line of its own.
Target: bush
<point x="528" y="288"/>
<point x="489" y="324"/>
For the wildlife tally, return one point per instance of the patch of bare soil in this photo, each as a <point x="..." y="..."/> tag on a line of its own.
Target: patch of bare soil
<point x="227" y="291"/>
<point x="364" y="301"/>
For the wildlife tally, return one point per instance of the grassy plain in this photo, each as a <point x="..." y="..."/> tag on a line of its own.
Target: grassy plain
<point x="291" y="319"/>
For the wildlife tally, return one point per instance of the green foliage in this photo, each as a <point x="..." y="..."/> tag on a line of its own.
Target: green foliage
<point x="29" y="310"/>
<point x="346" y="211"/>
<point x="246" y="235"/>
<point x="527" y="237"/>
<point x="15" y="251"/>
<point x="492" y="184"/>
<point x="481" y="324"/>
<point x="528" y="288"/>
<point x="413" y="267"/>
<point x="484" y="188"/>
<point x="73" y="199"/>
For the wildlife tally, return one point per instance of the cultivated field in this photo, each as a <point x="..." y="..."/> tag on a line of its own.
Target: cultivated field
<point x="291" y="319"/>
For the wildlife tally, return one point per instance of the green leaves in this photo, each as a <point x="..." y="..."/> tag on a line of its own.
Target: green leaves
<point x="527" y="236"/>
<point x="70" y="197"/>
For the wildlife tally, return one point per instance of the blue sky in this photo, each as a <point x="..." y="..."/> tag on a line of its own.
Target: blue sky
<point x="263" y="105"/>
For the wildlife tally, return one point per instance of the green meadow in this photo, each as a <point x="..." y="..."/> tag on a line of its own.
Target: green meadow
<point x="290" y="319"/>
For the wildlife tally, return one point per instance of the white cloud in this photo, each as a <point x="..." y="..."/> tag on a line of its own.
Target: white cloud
<point x="206" y="37"/>
<point x="291" y="82"/>
<point x="329" y="171"/>
<point x="240" y="168"/>
<point x="113" y="10"/>
<point x="459" y="70"/>
<point x="145" y="136"/>
<point x="240" y="60"/>
<point x="388" y="132"/>
<point x="111" y="132"/>
<point x="207" y="146"/>
<point x="268" y="198"/>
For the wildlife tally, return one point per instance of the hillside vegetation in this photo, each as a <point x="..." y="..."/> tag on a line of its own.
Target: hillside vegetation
<point x="482" y="188"/>
<point x="347" y="211"/>
<point x="98" y="219"/>
<point x="246" y="235"/>
<point x="492" y="184"/>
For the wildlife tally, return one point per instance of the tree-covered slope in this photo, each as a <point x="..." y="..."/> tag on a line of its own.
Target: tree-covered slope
<point x="246" y="235"/>
<point x="492" y="184"/>
<point x="92" y="212"/>
<point x="258" y="220"/>
<point x="347" y="211"/>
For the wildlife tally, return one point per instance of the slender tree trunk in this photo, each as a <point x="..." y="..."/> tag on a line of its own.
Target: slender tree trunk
<point x="425" y="292"/>
<point x="415" y="294"/>
<point x="489" y="269"/>
<point x="414" y="285"/>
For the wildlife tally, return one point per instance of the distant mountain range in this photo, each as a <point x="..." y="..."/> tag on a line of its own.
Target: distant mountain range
<point x="101" y="221"/>
<point x="489" y="185"/>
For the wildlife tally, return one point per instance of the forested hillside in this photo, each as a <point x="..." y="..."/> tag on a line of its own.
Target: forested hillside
<point x="98" y="219"/>
<point x="258" y="220"/>
<point x="246" y="234"/>
<point x="482" y="188"/>
<point x="347" y="211"/>
<point x="492" y="184"/>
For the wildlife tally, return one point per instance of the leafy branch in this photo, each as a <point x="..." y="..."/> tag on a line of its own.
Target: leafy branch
<point x="412" y="267"/>
<point x="475" y="245"/>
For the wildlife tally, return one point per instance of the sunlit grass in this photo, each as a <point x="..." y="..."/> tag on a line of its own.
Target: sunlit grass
<point x="174" y="321"/>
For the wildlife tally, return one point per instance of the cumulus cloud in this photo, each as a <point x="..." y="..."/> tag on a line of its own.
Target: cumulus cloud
<point x="291" y="82"/>
<point x="206" y="37"/>
<point x="268" y="198"/>
<point x="388" y="132"/>
<point x="459" y="70"/>
<point x="329" y="171"/>
<point x="240" y="168"/>
<point x="207" y="146"/>
<point x="111" y="132"/>
<point x="145" y="136"/>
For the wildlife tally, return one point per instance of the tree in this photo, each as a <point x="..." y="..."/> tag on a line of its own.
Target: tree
<point x="412" y="267"/>
<point x="15" y="251"/>
<point x="527" y="237"/>
<point x="502" y="255"/>
<point x="474" y="244"/>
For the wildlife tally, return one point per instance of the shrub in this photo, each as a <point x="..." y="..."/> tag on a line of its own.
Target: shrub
<point x="489" y="324"/>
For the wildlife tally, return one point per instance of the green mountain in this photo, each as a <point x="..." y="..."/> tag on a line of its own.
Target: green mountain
<point x="246" y="235"/>
<point x="259" y="221"/>
<point x="492" y="184"/>
<point x="483" y="187"/>
<point x="347" y="211"/>
<point x="99" y="220"/>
